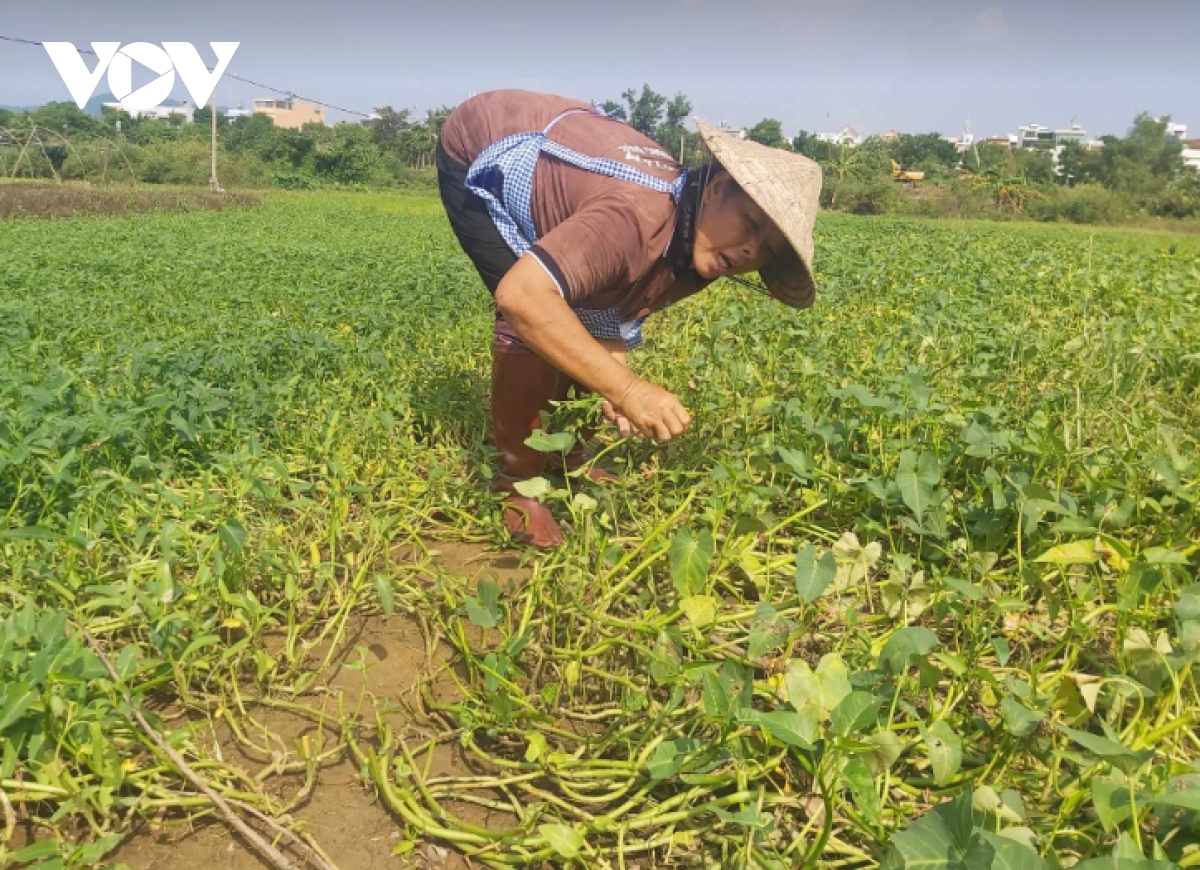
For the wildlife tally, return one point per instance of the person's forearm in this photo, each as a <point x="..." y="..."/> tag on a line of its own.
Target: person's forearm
<point x="616" y="347"/>
<point x="544" y="322"/>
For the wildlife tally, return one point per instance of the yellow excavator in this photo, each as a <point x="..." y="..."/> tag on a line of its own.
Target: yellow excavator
<point x="899" y="174"/>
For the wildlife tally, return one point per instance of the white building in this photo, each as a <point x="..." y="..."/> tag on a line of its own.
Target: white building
<point x="240" y="112"/>
<point x="1177" y="131"/>
<point x="159" y="113"/>
<point x="1037" y="136"/>
<point x="965" y="141"/>
<point x="739" y="132"/>
<point x="847" y="137"/>
<point x="1191" y="154"/>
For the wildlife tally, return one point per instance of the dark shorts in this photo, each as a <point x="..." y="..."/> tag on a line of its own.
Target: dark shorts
<point x="472" y="224"/>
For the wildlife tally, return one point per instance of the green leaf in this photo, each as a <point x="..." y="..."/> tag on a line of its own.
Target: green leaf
<point x="40" y="849"/>
<point x="1011" y="854"/>
<point x="1116" y="754"/>
<point x="1081" y="552"/>
<point x="726" y="691"/>
<point x="665" y="659"/>
<point x="484" y="611"/>
<point x="942" y="839"/>
<point x="917" y="479"/>
<point x="127" y="660"/>
<point x="1125" y="859"/>
<point x="1110" y="798"/>
<point x="1164" y="556"/>
<point x="906" y="646"/>
<point x="798" y="461"/>
<point x="387" y="595"/>
<point x="813" y="575"/>
<point x="559" y="442"/>
<point x="858" y="776"/>
<point x="29" y="533"/>
<point x="232" y="535"/>
<point x="1002" y="649"/>
<point x="834" y="679"/>
<point x="1187" y="605"/>
<point x="535" y="487"/>
<point x="887" y="751"/>
<point x="1019" y="718"/>
<point x="690" y="557"/>
<point x="768" y="631"/>
<point x="17" y="698"/>
<point x="856" y="711"/>
<point x="92" y="852"/>
<point x="537" y="746"/>
<point x="945" y="751"/>
<point x="567" y="842"/>
<point x="803" y="690"/>
<point x="665" y="761"/>
<point x="1184" y="800"/>
<point x="965" y="588"/>
<point x="700" y="610"/>
<point x="1162" y="465"/>
<point x="789" y="727"/>
<point x="748" y="816"/>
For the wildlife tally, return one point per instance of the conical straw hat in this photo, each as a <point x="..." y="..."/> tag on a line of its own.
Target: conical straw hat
<point x="787" y="186"/>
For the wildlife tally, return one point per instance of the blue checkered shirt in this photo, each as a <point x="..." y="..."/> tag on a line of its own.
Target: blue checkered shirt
<point x="502" y="176"/>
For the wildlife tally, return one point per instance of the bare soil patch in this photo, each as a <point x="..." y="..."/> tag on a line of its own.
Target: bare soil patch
<point x="379" y="662"/>
<point x="73" y="199"/>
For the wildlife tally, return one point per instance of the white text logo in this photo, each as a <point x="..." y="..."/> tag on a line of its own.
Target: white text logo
<point x="118" y="60"/>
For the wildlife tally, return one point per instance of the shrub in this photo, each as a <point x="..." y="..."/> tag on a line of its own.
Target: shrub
<point x="1083" y="204"/>
<point x="875" y="195"/>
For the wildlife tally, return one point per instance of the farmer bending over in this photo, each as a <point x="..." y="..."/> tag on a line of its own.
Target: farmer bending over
<point x="581" y="227"/>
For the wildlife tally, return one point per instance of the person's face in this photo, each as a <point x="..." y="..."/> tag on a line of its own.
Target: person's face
<point x="733" y="235"/>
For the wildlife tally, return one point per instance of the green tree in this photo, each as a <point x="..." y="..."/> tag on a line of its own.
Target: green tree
<point x="672" y="134"/>
<point x="66" y="119"/>
<point x="843" y="164"/>
<point x="1035" y="166"/>
<point x="768" y="131"/>
<point x="806" y="143"/>
<point x="1144" y="161"/>
<point x="388" y="128"/>
<point x="1078" y="165"/>
<point x="202" y="122"/>
<point x="352" y="156"/>
<point x="615" y="109"/>
<point x="986" y="155"/>
<point x="645" y="109"/>
<point x="927" y="151"/>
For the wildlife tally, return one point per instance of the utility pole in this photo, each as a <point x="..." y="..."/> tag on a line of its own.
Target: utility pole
<point x="213" y="187"/>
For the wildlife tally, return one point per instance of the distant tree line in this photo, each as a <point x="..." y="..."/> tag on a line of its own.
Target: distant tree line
<point x="391" y="149"/>
<point x="1141" y="174"/>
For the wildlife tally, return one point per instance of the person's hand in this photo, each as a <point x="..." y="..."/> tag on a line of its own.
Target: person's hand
<point x="623" y="425"/>
<point x="651" y="410"/>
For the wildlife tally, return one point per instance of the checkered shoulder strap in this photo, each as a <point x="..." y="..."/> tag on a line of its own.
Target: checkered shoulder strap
<point x="502" y="176"/>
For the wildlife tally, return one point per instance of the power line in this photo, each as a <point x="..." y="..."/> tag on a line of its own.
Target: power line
<point x="292" y="94"/>
<point x="29" y="42"/>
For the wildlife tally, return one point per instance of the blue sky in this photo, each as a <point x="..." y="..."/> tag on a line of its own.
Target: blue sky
<point x="814" y="64"/>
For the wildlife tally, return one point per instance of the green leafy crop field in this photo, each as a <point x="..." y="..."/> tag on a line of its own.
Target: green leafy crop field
<point x="918" y="588"/>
